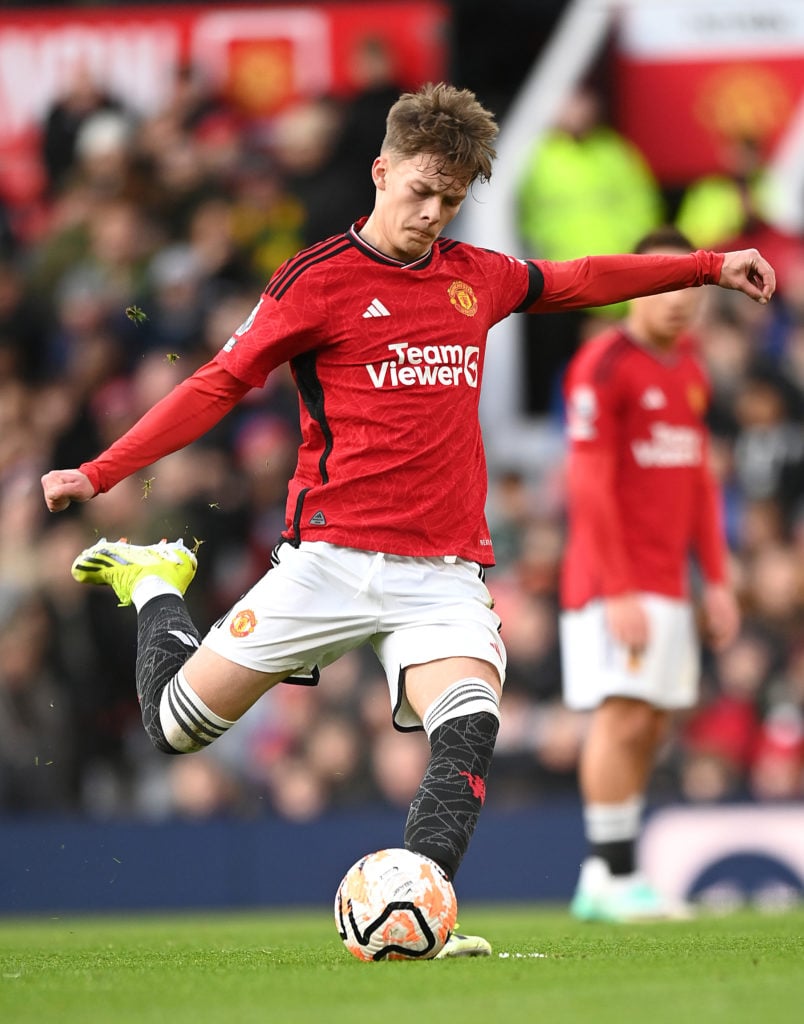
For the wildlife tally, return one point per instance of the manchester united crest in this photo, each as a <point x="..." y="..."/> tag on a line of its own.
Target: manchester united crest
<point x="243" y="622"/>
<point x="696" y="396"/>
<point x="462" y="298"/>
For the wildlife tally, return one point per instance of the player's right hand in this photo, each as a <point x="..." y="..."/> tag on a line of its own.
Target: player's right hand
<point x="627" y="621"/>
<point x="61" y="486"/>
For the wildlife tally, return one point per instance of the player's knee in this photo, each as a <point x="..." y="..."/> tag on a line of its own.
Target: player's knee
<point x="157" y="736"/>
<point x="634" y="723"/>
<point x="184" y="724"/>
<point x="175" y="739"/>
<point x="466" y="697"/>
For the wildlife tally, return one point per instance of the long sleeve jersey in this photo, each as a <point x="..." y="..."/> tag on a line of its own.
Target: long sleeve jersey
<point x="641" y="495"/>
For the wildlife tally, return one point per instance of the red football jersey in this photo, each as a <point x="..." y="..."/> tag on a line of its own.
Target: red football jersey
<point x="388" y="360"/>
<point x="641" y="494"/>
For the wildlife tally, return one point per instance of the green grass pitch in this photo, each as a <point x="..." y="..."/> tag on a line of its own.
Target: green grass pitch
<point x="291" y="967"/>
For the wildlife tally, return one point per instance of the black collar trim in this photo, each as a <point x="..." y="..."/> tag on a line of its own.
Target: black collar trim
<point x="380" y="257"/>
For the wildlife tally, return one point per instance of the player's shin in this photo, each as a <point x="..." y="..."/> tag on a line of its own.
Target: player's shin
<point x="175" y="718"/>
<point x="462" y="727"/>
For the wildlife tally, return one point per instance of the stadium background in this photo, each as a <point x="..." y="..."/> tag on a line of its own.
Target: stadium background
<point x="179" y="201"/>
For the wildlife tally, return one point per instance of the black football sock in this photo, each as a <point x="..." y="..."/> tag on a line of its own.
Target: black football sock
<point x="611" y="831"/>
<point x="445" y="809"/>
<point x="166" y="637"/>
<point x="620" y="855"/>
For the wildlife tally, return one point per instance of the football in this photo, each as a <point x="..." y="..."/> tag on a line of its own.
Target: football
<point x="395" y="905"/>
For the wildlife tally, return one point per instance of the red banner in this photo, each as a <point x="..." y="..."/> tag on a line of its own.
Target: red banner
<point x="691" y="76"/>
<point x="680" y="113"/>
<point x="263" y="54"/>
<point x="260" y="57"/>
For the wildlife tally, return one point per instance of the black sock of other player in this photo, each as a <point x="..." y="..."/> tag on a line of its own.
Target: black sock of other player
<point x="445" y="809"/>
<point x="620" y="855"/>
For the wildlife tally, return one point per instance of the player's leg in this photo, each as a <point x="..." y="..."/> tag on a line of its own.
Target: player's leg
<point x="438" y="641"/>
<point x="305" y="611"/>
<point x="188" y="695"/>
<point x="616" y="763"/>
<point x="445" y="664"/>
<point x="457" y="699"/>
<point x="619" y="752"/>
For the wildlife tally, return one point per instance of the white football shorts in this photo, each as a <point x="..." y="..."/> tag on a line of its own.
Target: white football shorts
<point x="318" y="601"/>
<point x="594" y="667"/>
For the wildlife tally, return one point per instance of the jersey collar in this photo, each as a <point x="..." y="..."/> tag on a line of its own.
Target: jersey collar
<point x="380" y="257"/>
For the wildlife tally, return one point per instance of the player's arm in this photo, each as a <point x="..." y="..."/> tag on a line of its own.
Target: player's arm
<point x="720" y="608"/>
<point x="601" y="280"/>
<point x="191" y="409"/>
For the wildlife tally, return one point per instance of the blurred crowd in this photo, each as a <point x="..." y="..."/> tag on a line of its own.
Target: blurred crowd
<point x="145" y="245"/>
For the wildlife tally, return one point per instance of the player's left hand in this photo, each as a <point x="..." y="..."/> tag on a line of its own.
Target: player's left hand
<point x="721" y="616"/>
<point x="747" y="271"/>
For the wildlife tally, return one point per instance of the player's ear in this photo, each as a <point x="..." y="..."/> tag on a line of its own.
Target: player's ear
<point x="379" y="172"/>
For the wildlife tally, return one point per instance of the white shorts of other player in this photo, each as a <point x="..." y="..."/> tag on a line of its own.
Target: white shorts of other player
<point x="595" y="667"/>
<point x="319" y="601"/>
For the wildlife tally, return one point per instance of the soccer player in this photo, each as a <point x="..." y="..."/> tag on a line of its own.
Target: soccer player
<point x="642" y="501"/>
<point x="384" y="327"/>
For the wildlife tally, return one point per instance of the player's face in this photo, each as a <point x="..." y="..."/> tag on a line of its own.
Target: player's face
<point x="414" y="203"/>
<point x="661" y="319"/>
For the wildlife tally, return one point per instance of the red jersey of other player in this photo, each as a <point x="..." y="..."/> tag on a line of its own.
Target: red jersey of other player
<point x="637" y="414"/>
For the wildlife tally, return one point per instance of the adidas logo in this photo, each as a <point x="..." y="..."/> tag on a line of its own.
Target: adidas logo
<point x="376" y="308"/>
<point x="653" y="398"/>
<point x="319" y="519"/>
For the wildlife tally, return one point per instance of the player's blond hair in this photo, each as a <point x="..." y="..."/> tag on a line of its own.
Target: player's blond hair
<point x="447" y="123"/>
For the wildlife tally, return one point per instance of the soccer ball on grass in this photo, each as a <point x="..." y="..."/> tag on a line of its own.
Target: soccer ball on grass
<point x="395" y="905"/>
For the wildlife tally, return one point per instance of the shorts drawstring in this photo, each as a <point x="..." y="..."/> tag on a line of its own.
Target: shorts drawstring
<point x="376" y="563"/>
